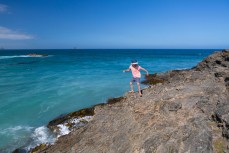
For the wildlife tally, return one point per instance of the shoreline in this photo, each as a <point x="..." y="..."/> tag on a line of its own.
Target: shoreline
<point x="66" y="123"/>
<point x="166" y="77"/>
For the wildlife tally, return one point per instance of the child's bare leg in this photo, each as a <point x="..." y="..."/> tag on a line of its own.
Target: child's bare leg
<point x="131" y="87"/>
<point x="139" y="89"/>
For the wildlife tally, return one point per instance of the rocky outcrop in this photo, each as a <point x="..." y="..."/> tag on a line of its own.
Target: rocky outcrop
<point x="37" y="55"/>
<point x="186" y="111"/>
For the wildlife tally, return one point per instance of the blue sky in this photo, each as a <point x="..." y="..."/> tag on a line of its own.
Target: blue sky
<point x="133" y="24"/>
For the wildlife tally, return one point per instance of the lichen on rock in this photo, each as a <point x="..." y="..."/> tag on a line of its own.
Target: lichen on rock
<point x="38" y="148"/>
<point x="115" y="100"/>
<point x="152" y="79"/>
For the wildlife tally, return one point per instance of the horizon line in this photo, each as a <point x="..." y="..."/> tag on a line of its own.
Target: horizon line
<point x="109" y="48"/>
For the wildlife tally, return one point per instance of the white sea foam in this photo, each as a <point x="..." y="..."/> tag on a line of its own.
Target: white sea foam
<point x="14" y="130"/>
<point x="6" y="57"/>
<point x="182" y="68"/>
<point x="41" y="135"/>
<point x="18" y="56"/>
<point x="64" y="129"/>
<point x="17" y="136"/>
<point x="78" y="120"/>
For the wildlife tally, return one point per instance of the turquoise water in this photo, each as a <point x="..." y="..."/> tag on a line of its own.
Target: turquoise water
<point x="34" y="90"/>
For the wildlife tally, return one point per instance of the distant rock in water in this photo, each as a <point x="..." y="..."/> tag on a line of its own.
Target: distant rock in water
<point x="183" y="111"/>
<point x="37" y="55"/>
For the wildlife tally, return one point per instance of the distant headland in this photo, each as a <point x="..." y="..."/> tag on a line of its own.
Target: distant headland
<point x="37" y="55"/>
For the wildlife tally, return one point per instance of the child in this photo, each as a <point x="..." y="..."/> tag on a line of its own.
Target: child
<point x="135" y="68"/>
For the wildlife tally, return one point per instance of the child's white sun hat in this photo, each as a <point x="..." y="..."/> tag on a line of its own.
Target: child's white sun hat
<point x="134" y="62"/>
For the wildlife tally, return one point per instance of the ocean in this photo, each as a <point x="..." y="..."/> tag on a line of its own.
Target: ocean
<point x="35" y="90"/>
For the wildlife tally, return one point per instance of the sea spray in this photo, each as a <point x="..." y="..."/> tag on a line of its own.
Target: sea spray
<point x="41" y="135"/>
<point x="44" y="136"/>
<point x="68" y="126"/>
<point x="17" y="135"/>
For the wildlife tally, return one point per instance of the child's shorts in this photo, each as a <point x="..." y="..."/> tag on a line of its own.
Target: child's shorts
<point x="135" y="80"/>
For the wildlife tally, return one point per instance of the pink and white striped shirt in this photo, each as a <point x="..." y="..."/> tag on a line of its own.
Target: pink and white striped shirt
<point x="135" y="71"/>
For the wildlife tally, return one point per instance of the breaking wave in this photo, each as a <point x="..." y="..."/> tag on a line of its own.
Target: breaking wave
<point x="41" y="135"/>
<point x="16" y="56"/>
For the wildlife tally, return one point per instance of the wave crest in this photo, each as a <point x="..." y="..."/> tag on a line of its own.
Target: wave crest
<point x="15" y="56"/>
<point x="41" y="135"/>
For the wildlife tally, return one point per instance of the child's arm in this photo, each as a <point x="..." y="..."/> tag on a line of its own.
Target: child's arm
<point x="147" y="73"/>
<point x="127" y="70"/>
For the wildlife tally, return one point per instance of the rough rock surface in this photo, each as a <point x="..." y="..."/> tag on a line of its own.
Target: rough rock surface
<point x="188" y="112"/>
